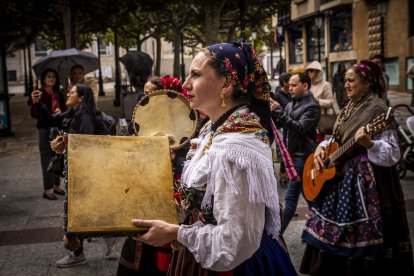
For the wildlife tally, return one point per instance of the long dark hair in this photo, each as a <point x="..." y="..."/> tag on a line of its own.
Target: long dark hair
<point x="56" y="87"/>
<point x="86" y="107"/>
<point x="156" y="80"/>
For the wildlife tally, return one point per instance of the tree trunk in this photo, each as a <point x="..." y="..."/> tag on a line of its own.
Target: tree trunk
<point x="177" y="48"/>
<point x="139" y="44"/>
<point x="231" y="34"/>
<point x="212" y="20"/>
<point x="65" y="10"/>
<point x="157" y="70"/>
<point x="211" y="24"/>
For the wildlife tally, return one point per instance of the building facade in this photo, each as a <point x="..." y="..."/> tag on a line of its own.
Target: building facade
<point x="346" y="31"/>
<point x="16" y="61"/>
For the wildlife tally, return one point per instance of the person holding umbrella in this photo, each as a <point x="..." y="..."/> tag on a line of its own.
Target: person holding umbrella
<point x="52" y="98"/>
<point x="77" y="76"/>
<point x="65" y="61"/>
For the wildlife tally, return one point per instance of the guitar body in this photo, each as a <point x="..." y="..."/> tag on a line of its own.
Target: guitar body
<point x="313" y="180"/>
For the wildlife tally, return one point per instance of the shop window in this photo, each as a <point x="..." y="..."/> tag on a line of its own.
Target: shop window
<point x="341" y="31"/>
<point x="296" y="45"/>
<point x="392" y="71"/>
<point x="312" y="39"/>
<point x="12" y="75"/>
<point x="348" y="64"/>
<point x="40" y="48"/>
<point x="105" y="48"/>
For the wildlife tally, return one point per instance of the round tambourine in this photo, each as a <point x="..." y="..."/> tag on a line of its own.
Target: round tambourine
<point x="165" y="113"/>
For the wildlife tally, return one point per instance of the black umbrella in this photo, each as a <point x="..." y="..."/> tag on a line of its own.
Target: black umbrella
<point x="138" y="66"/>
<point x="63" y="60"/>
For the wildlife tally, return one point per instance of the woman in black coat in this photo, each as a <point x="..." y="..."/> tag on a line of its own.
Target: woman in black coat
<point x="82" y="117"/>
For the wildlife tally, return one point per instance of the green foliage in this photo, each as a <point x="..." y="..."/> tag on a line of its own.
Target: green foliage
<point x="21" y="21"/>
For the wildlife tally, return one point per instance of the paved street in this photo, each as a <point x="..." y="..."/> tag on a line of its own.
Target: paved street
<point x="31" y="227"/>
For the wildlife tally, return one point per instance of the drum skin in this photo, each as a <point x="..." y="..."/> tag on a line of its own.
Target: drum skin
<point x="114" y="179"/>
<point x="165" y="113"/>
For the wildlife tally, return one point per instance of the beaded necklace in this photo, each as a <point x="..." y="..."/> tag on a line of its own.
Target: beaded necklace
<point x="349" y="109"/>
<point x="216" y="125"/>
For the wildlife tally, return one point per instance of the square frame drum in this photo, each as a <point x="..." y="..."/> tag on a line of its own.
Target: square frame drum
<point x="114" y="179"/>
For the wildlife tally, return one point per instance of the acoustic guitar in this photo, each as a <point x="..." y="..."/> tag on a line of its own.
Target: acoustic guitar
<point x="313" y="180"/>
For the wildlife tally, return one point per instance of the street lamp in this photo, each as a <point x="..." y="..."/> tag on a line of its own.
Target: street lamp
<point x="182" y="57"/>
<point x="117" y="101"/>
<point x="267" y="31"/>
<point x="26" y="79"/>
<point x="318" y="23"/>
<point x="280" y="40"/>
<point x="98" y="44"/>
<point x="382" y="9"/>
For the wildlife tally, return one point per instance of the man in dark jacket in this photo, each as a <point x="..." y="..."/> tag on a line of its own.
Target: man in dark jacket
<point x="299" y="119"/>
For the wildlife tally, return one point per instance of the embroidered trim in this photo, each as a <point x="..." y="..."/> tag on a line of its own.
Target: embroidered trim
<point x="260" y="177"/>
<point x="245" y="123"/>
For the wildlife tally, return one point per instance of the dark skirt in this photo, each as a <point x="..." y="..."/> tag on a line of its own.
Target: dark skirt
<point x="396" y="257"/>
<point x="138" y="258"/>
<point x="270" y="259"/>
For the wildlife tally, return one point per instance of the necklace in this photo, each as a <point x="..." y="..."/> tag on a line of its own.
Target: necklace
<point x="349" y="110"/>
<point x="216" y="125"/>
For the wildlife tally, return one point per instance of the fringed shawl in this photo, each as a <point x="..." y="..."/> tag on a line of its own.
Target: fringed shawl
<point x="250" y="154"/>
<point x="359" y="118"/>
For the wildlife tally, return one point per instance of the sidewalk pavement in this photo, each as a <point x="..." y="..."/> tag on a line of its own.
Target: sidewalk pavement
<point x="31" y="227"/>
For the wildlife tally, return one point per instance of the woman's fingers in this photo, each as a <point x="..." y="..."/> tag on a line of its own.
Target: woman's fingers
<point x="142" y="223"/>
<point x="159" y="232"/>
<point x="318" y="158"/>
<point x="362" y="138"/>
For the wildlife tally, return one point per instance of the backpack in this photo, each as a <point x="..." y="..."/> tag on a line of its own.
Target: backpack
<point x="107" y="124"/>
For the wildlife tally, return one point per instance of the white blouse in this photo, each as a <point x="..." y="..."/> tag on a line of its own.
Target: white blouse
<point x="238" y="171"/>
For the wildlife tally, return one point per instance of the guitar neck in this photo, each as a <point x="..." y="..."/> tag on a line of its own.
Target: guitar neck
<point x="344" y="148"/>
<point x="377" y="125"/>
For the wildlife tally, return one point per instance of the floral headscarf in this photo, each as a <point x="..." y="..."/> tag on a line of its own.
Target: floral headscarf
<point x="373" y="76"/>
<point x="243" y="68"/>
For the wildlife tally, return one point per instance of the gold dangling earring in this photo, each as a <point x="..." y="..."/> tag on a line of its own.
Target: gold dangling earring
<point x="223" y="103"/>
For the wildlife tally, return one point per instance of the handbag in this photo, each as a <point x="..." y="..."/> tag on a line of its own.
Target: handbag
<point x="326" y="124"/>
<point x="327" y="121"/>
<point x="56" y="165"/>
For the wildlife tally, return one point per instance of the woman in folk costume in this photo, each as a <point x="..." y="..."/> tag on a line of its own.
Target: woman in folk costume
<point x="228" y="186"/>
<point x="143" y="259"/>
<point x="358" y="225"/>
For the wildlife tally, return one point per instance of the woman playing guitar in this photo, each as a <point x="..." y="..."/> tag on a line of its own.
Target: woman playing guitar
<point x="358" y="223"/>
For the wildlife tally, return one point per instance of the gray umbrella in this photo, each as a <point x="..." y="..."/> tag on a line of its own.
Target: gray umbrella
<point x="63" y="60"/>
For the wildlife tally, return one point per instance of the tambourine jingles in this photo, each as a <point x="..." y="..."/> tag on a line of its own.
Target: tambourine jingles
<point x="165" y="113"/>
